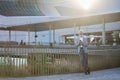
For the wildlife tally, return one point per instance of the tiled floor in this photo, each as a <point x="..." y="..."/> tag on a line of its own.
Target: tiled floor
<point x="108" y="74"/>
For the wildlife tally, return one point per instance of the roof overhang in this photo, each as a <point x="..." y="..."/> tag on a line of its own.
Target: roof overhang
<point x="69" y="22"/>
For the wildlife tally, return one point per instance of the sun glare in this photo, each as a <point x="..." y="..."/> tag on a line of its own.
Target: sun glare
<point x="86" y="4"/>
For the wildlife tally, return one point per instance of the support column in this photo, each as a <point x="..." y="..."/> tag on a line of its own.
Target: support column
<point x="74" y="33"/>
<point x="15" y="36"/>
<point x="74" y="29"/>
<point x="9" y="35"/>
<point x="50" y="35"/>
<point x="79" y="25"/>
<point x="54" y="35"/>
<point x="28" y="41"/>
<point x="9" y="38"/>
<point x="63" y="39"/>
<point x="103" y="32"/>
<point x="36" y="38"/>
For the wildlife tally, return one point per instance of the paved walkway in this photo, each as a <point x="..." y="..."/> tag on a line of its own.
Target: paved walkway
<point x="108" y="74"/>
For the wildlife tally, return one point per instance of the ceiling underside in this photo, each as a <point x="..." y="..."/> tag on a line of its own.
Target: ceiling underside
<point x="20" y="8"/>
<point x="56" y="8"/>
<point x="68" y="23"/>
<point x="52" y="7"/>
<point x="29" y="7"/>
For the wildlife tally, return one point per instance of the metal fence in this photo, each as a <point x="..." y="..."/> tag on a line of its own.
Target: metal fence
<point x="18" y="61"/>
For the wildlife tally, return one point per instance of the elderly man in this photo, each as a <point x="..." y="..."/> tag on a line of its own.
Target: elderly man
<point x="82" y="43"/>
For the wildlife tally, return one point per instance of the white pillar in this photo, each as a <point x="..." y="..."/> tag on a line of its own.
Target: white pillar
<point x="15" y="36"/>
<point x="9" y="35"/>
<point x="74" y="29"/>
<point x="53" y="35"/>
<point x="103" y="32"/>
<point x="28" y="37"/>
<point x="35" y="38"/>
<point x="74" y="32"/>
<point x="63" y="39"/>
<point x="50" y="33"/>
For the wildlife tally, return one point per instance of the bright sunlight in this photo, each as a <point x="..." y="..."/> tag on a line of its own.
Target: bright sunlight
<point x="86" y="4"/>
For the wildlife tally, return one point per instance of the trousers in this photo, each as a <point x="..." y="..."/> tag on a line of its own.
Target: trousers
<point x="83" y="58"/>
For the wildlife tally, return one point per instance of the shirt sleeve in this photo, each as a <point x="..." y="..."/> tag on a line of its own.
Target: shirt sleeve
<point x="86" y="42"/>
<point x="75" y="40"/>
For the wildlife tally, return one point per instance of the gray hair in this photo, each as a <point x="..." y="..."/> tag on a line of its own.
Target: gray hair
<point x="81" y="31"/>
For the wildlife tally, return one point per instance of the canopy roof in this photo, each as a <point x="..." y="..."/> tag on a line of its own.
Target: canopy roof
<point x="69" y="22"/>
<point x="56" y="13"/>
<point x="52" y="7"/>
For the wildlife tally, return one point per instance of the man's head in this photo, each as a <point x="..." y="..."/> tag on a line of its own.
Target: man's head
<point x="81" y="33"/>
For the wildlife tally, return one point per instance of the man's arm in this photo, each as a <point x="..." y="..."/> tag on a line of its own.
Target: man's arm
<point x="76" y="41"/>
<point x="85" y="44"/>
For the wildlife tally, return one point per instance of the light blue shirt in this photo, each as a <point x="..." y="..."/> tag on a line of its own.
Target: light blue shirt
<point x="85" y="43"/>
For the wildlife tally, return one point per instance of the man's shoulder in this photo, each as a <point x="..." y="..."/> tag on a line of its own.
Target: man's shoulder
<point x="80" y="37"/>
<point x="85" y="36"/>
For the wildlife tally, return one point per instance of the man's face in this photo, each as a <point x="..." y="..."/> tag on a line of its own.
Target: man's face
<point x="81" y="33"/>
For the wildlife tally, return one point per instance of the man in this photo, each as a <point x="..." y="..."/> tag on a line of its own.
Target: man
<point x="82" y="43"/>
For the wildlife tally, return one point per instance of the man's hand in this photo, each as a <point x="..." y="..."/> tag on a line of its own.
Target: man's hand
<point x="80" y="42"/>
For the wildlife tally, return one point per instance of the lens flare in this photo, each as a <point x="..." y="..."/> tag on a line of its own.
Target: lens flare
<point x="85" y="4"/>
